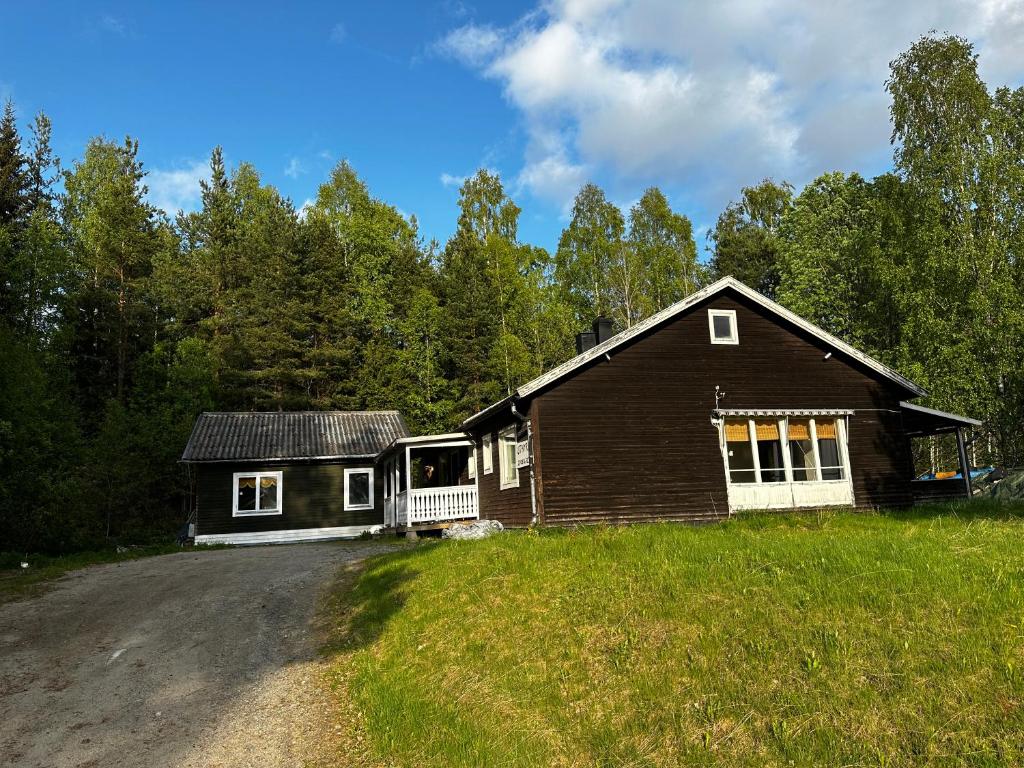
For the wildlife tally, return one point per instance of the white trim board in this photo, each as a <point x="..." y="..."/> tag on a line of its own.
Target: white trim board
<point x="732" y="412"/>
<point x="286" y="537"/>
<point x="607" y="347"/>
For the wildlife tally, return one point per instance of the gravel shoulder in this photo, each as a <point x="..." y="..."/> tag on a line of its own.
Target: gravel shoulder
<point x="192" y="659"/>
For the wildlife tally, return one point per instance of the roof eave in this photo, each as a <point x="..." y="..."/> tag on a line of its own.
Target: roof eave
<point x="492" y="409"/>
<point x="279" y="459"/>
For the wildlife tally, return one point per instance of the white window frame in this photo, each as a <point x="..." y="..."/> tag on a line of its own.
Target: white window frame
<point x="734" y="337"/>
<point x="358" y="471"/>
<point x="236" y="512"/>
<point x="503" y="438"/>
<point x="791" y="493"/>
<point x="787" y="459"/>
<point x="488" y="455"/>
<point x="471" y="468"/>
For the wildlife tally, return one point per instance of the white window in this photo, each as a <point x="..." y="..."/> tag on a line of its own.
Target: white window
<point x="358" y="489"/>
<point x="812" y="451"/>
<point x="507" y="459"/>
<point x="722" y="324"/>
<point x="488" y="461"/>
<point x="256" y="493"/>
<point x="472" y="463"/>
<point x="785" y="462"/>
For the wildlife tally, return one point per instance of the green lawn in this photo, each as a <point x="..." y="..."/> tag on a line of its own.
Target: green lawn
<point x="17" y="582"/>
<point x="799" y="639"/>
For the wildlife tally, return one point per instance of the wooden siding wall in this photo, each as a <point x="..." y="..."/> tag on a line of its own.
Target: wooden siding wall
<point x="631" y="439"/>
<point x="313" y="497"/>
<point x="511" y="507"/>
<point x="938" y="490"/>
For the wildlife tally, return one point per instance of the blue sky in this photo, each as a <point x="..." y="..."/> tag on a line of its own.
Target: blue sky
<point x="696" y="98"/>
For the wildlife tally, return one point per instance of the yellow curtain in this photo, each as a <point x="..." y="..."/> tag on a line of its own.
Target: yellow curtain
<point x="825" y="429"/>
<point x="736" y="432"/>
<point x="247" y="482"/>
<point x="767" y="430"/>
<point x="268" y="482"/>
<point x="799" y="430"/>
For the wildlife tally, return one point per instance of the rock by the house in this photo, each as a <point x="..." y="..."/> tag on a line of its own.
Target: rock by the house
<point x="478" y="529"/>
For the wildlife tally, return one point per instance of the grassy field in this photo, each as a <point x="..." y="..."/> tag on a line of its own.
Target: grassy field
<point x="800" y="639"/>
<point x="17" y="582"/>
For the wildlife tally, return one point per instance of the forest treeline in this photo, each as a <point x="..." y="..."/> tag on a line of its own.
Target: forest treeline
<point x="118" y="324"/>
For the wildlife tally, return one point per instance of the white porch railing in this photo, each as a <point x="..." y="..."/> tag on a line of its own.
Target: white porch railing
<point x="436" y="505"/>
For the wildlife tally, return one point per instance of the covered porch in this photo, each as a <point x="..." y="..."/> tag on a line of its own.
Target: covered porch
<point x="429" y="481"/>
<point x="940" y="483"/>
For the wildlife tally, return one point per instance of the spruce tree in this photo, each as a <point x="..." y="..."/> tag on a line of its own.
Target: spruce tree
<point x="14" y="180"/>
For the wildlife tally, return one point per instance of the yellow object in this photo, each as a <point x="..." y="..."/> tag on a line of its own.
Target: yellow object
<point x="736" y="432"/>
<point x="799" y="430"/>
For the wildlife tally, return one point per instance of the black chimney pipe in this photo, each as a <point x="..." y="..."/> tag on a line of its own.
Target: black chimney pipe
<point x="603" y="329"/>
<point x="584" y="341"/>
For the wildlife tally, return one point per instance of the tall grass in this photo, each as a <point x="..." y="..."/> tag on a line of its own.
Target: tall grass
<point x="798" y="639"/>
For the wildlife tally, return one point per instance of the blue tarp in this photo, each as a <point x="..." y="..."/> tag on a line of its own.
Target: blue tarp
<point x="975" y="474"/>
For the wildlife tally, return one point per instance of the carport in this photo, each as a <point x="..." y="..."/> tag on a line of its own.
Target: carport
<point x="919" y="421"/>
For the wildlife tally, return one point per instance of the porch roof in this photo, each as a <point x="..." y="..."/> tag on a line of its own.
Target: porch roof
<point x="919" y="421"/>
<point x="446" y="440"/>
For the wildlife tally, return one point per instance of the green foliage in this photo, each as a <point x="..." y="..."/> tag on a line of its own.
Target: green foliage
<point x="922" y="267"/>
<point x="603" y="270"/>
<point x="746" y="234"/>
<point x="118" y="326"/>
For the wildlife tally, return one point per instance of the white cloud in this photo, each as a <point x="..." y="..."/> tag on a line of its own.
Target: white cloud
<point x="448" y="180"/>
<point x="338" y="33"/>
<point x="303" y="209"/>
<point x="177" y="189"/>
<point x="295" y="168"/>
<point x="471" y="44"/>
<point x="113" y="25"/>
<point x="712" y="96"/>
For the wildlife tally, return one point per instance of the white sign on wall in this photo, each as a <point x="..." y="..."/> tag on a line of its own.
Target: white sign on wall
<point x="522" y="453"/>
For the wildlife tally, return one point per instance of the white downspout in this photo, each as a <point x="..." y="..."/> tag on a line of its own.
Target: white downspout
<point x="533" y="478"/>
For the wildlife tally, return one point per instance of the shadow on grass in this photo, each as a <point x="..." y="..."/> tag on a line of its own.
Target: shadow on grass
<point x="365" y="596"/>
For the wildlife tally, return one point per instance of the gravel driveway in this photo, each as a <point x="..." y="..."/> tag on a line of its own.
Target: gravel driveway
<point x="192" y="659"/>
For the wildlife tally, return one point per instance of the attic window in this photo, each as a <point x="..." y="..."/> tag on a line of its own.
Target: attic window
<point x="722" y="323"/>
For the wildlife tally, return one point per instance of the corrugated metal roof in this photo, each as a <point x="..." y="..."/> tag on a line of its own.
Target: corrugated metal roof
<point x="301" y="435"/>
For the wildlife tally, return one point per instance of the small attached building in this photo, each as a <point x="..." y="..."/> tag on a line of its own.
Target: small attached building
<point x="722" y="402"/>
<point x="276" y="477"/>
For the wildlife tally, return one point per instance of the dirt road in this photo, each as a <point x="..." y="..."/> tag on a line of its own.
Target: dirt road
<point x="192" y="659"/>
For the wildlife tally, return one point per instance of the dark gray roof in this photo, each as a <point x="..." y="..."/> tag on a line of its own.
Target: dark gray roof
<point x="302" y="435"/>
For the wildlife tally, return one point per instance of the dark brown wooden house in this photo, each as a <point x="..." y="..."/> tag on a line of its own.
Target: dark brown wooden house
<point x="275" y="477"/>
<point x="722" y="402"/>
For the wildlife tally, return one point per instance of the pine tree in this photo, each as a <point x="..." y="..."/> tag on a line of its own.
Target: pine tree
<point x="114" y="236"/>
